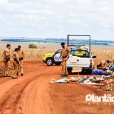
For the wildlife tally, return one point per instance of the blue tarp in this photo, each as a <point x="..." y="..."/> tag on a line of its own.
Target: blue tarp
<point x="100" y="72"/>
<point x="112" y="68"/>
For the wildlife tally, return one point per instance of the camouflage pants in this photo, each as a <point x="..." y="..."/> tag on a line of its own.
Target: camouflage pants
<point x="16" y="68"/>
<point x="64" y="67"/>
<point x="6" y="66"/>
<point x="21" y="66"/>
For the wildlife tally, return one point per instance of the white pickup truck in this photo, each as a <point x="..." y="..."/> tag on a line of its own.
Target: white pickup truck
<point x="81" y="58"/>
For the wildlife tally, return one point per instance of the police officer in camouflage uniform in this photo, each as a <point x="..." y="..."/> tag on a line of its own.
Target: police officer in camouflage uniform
<point x="21" y="57"/>
<point x="65" y="53"/>
<point x="6" y="59"/>
<point x="16" y="63"/>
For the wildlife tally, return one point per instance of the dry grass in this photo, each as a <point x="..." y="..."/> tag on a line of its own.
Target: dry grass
<point x="37" y="54"/>
<point x="104" y="54"/>
<point x="34" y="54"/>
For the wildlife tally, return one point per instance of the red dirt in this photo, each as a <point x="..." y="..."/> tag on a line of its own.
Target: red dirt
<point x="33" y="94"/>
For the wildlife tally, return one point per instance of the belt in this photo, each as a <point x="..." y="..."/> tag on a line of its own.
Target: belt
<point x="21" y="58"/>
<point x="64" y="56"/>
<point x="16" y="61"/>
<point x="7" y="58"/>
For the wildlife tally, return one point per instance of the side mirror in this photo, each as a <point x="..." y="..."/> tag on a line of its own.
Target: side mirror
<point x="93" y="56"/>
<point x="56" y="52"/>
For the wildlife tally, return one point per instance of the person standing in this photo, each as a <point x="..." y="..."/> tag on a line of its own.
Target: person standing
<point x="65" y="53"/>
<point x="16" y="63"/>
<point x="21" y="57"/>
<point x="6" y="59"/>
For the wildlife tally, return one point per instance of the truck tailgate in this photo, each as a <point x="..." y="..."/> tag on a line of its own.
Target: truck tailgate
<point x="78" y="61"/>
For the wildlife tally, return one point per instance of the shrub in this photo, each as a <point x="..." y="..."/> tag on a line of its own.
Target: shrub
<point x="32" y="46"/>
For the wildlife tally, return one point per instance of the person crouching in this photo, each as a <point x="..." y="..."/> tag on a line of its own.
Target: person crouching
<point x="104" y="65"/>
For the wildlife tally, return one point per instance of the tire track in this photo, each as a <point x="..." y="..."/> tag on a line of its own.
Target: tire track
<point x="9" y="103"/>
<point x="2" y="79"/>
<point x="5" y="79"/>
<point x="36" y="99"/>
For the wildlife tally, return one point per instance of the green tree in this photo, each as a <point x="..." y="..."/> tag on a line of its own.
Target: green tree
<point x="32" y="46"/>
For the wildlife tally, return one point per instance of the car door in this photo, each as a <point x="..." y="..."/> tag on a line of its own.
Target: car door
<point x="57" y="55"/>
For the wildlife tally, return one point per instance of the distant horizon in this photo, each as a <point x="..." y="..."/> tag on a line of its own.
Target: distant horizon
<point x="18" y="37"/>
<point x="58" y="40"/>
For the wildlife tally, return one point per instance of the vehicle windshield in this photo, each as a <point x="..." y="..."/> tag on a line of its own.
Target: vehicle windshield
<point x="71" y="51"/>
<point x="80" y="53"/>
<point x="59" y="51"/>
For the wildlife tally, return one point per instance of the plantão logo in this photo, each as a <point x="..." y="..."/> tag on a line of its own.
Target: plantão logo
<point x="106" y="98"/>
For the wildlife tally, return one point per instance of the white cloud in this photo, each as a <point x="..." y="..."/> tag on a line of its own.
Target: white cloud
<point x="3" y="2"/>
<point x="57" y="1"/>
<point x="56" y="18"/>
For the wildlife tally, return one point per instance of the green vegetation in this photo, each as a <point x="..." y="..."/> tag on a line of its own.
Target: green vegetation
<point x="32" y="46"/>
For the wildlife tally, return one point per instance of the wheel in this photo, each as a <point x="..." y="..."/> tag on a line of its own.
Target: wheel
<point x="49" y="62"/>
<point x="69" y="70"/>
<point x="90" y="71"/>
<point x="57" y="63"/>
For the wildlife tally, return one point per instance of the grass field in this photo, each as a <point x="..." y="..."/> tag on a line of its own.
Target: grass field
<point x="102" y="52"/>
<point x="40" y="52"/>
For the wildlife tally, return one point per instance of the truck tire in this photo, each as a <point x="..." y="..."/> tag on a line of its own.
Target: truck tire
<point x="69" y="70"/>
<point x="90" y="71"/>
<point x="49" y="61"/>
<point x="57" y="63"/>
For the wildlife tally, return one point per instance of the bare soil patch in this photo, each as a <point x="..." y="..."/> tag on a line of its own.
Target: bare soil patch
<point x="33" y="94"/>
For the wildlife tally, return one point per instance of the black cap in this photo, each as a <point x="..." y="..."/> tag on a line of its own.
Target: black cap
<point x="16" y="49"/>
<point x="108" y="61"/>
<point x="8" y="45"/>
<point x="62" y="43"/>
<point x="19" y="46"/>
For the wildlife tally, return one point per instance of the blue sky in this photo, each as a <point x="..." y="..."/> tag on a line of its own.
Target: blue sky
<point x="57" y="18"/>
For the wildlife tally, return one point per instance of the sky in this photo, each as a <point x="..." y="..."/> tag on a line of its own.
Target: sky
<point x="57" y="18"/>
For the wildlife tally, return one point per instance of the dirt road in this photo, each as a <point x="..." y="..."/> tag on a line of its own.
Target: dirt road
<point x="32" y="94"/>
